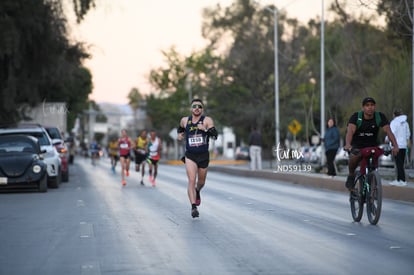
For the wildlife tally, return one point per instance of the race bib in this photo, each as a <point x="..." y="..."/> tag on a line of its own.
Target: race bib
<point x="123" y="146"/>
<point x="153" y="154"/>
<point x="196" y="140"/>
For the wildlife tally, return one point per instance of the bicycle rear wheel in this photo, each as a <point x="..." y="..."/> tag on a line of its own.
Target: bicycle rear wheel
<point x="356" y="199"/>
<point x="374" y="198"/>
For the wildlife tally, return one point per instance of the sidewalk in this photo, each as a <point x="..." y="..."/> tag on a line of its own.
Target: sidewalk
<point x="310" y="179"/>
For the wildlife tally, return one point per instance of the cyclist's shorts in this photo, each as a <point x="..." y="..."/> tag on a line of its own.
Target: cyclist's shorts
<point x="202" y="160"/>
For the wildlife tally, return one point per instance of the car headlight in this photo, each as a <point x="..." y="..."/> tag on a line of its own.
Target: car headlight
<point x="37" y="168"/>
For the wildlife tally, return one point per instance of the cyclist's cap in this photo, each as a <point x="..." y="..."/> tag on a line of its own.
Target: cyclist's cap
<point x="367" y="100"/>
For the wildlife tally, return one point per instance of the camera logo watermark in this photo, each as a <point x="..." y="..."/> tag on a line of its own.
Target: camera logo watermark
<point x="284" y="158"/>
<point x="54" y="108"/>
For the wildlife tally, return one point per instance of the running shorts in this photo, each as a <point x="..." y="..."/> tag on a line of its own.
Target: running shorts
<point x="140" y="157"/>
<point x="202" y="159"/>
<point x="127" y="156"/>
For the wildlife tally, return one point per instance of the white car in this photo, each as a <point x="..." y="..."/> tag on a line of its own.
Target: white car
<point x="386" y="160"/>
<point x="51" y="157"/>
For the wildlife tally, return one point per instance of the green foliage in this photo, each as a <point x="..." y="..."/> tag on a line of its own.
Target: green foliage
<point x="37" y="61"/>
<point x="360" y="59"/>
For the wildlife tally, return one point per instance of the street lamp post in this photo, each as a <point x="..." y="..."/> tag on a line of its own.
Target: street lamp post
<point x="322" y="72"/>
<point x="322" y="77"/>
<point x="276" y="72"/>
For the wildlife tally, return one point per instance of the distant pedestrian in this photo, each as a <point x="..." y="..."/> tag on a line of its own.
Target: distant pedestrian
<point x="331" y="142"/>
<point x="401" y="131"/>
<point x="255" y="149"/>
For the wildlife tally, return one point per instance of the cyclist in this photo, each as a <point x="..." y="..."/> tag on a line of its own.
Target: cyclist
<point x="362" y="132"/>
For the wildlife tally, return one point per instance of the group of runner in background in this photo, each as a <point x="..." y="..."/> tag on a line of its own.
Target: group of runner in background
<point x="144" y="149"/>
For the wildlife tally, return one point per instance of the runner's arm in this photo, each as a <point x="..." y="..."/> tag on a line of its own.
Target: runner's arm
<point x="183" y="122"/>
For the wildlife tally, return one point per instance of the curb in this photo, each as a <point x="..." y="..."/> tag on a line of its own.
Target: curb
<point x="314" y="181"/>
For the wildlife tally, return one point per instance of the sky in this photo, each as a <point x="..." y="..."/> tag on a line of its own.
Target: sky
<point x="127" y="37"/>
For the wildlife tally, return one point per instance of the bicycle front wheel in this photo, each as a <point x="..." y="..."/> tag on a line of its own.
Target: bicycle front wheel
<point x="374" y="198"/>
<point x="356" y="200"/>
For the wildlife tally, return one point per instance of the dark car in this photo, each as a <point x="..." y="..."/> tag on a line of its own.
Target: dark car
<point x="21" y="163"/>
<point x="62" y="148"/>
<point x="242" y="153"/>
<point x="51" y="157"/>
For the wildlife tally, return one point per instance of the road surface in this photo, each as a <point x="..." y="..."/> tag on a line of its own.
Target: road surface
<point x="93" y="225"/>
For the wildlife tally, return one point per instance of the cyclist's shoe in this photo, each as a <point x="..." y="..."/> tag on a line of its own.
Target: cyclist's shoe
<point x="198" y="198"/>
<point x="194" y="212"/>
<point x="350" y="182"/>
<point x="123" y="182"/>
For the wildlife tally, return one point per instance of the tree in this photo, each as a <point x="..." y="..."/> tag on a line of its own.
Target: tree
<point x="238" y="83"/>
<point x="37" y="61"/>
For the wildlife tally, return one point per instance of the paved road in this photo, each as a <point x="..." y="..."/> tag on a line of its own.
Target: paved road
<point x="92" y="225"/>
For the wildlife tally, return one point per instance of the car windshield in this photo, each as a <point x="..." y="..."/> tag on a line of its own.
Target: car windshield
<point x="40" y="135"/>
<point x="16" y="147"/>
<point x="54" y="133"/>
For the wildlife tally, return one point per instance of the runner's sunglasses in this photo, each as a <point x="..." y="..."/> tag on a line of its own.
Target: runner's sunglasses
<point x="197" y="106"/>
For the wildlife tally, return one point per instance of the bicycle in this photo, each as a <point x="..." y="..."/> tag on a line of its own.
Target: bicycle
<point x="367" y="186"/>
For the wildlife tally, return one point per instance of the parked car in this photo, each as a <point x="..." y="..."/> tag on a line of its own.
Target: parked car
<point x="341" y="157"/>
<point x="62" y="149"/>
<point x="311" y="154"/>
<point x="242" y="153"/>
<point x="70" y="143"/>
<point x="51" y="156"/>
<point x="21" y="163"/>
<point x="386" y="160"/>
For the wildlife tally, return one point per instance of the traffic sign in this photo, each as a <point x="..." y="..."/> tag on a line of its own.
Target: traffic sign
<point x="294" y="127"/>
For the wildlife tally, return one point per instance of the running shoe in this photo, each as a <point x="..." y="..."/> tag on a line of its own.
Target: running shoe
<point x="142" y="182"/>
<point x="194" y="213"/>
<point x="123" y="182"/>
<point x="198" y="198"/>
